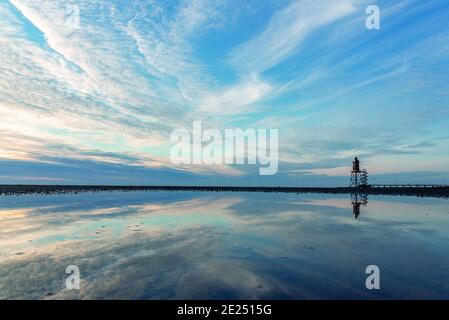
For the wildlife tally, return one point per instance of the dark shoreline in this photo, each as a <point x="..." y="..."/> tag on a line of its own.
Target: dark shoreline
<point x="12" y="190"/>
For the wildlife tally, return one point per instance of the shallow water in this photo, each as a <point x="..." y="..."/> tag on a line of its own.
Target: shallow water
<point x="180" y="245"/>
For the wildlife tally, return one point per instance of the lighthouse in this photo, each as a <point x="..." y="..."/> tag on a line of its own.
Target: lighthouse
<point x="359" y="178"/>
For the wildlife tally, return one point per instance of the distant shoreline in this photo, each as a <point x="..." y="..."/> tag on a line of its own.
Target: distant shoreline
<point x="14" y="190"/>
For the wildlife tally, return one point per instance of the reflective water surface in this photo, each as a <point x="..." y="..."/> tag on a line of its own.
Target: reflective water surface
<point x="180" y="245"/>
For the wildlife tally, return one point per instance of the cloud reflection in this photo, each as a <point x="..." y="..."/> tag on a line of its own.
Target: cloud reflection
<point x="143" y="245"/>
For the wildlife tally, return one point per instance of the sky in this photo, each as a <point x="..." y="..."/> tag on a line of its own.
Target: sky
<point x="95" y="103"/>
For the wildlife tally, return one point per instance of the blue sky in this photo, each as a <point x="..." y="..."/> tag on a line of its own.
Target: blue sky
<point x="97" y="104"/>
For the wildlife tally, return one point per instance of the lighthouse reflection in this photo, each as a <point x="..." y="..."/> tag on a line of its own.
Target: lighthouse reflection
<point x="358" y="200"/>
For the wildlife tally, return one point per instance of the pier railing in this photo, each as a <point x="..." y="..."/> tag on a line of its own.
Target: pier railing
<point x="406" y="186"/>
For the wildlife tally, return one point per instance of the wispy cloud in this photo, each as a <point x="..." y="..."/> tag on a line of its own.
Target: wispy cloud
<point x="285" y="31"/>
<point x="112" y="91"/>
<point x="236" y="99"/>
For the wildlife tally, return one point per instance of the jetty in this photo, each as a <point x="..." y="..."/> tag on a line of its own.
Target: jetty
<point x="440" y="191"/>
<point x="358" y="185"/>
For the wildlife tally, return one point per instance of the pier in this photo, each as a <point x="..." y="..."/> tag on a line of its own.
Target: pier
<point x="440" y="191"/>
<point x="418" y="186"/>
<point x="358" y="185"/>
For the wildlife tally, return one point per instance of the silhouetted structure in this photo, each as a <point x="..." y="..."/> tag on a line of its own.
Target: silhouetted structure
<point x="356" y="165"/>
<point x="357" y="200"/>
<point x="359" y="178"/>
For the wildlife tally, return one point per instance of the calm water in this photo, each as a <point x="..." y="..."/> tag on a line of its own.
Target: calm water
<point x="161" y="245"/>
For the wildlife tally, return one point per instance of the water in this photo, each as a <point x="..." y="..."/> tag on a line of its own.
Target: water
<point x="180" y="245"/>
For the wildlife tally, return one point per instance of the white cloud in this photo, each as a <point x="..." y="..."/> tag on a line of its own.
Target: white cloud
<point x="122" y="81"/>
<point x="236" y="99"/>
<point x="285" y="31"/>
<point x="281" y="38"/>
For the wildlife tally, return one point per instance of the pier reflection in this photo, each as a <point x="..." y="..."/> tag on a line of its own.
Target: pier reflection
<point x="358" y="200"/>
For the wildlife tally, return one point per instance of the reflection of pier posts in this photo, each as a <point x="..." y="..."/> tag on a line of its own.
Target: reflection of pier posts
<point x="357" y="200"/>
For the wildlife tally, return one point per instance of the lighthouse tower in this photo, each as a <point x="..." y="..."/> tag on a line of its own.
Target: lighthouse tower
<point x="359" y="178"/>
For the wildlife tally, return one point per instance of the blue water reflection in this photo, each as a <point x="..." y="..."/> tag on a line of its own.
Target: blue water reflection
<point x="180" y="245"/>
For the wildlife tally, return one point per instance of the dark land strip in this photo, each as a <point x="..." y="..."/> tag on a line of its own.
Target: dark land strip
<point x="437" y="191"/>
